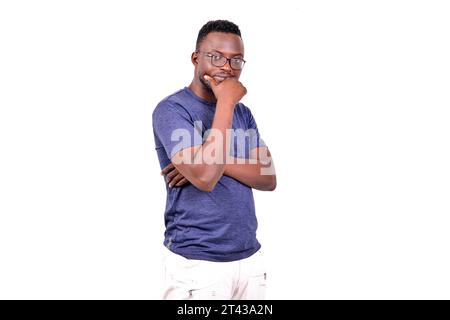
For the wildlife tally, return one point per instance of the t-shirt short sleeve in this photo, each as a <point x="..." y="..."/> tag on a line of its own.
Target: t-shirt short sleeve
<point x="174" y="128"/>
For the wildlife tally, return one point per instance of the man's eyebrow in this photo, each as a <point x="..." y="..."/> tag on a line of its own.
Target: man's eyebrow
<point x="233" y="55"/>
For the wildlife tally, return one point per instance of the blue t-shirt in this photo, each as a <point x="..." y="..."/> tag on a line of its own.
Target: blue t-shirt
<point x="219" y="225"/>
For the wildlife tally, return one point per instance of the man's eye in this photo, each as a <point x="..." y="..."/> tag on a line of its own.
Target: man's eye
<point x="237" y="60"/>
<point x="216" y="58"/>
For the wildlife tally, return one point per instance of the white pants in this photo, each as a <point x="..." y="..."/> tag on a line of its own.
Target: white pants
<point x="187" y="279"/>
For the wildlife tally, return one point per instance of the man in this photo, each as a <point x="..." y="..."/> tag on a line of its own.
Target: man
<point x="212" y="156"/>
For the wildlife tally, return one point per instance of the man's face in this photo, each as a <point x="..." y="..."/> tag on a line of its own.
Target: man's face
<point x="228" y="45"/>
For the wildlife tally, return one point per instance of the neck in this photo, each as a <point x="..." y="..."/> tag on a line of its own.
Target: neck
<point x="200" y="91"/>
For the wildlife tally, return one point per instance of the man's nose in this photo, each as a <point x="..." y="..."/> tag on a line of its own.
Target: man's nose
<point x="227" y="66"/>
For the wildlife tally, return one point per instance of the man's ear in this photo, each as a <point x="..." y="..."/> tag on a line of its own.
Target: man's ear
<point x="194" y="57"/>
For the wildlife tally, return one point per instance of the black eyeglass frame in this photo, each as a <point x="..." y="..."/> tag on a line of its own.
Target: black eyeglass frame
<point x="211" y="55"/>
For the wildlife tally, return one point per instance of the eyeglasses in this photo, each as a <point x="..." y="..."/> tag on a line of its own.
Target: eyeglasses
<point x="220" y="61"/>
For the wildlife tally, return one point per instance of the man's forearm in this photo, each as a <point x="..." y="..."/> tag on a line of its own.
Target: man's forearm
<point x="251" y="175"/>
<point x="212" y="152"/>
<point x="205" y="166"/>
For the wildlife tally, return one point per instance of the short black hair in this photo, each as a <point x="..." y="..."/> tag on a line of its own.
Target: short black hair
<point x="217" y="26"/>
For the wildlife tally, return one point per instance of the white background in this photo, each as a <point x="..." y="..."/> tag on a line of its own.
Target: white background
<point x="352" y="98"/>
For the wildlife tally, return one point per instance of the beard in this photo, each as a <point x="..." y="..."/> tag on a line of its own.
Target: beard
<point x="205" y="84"/>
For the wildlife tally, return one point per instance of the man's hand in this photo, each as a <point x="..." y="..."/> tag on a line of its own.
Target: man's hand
<point x="174" y="177"/>
<point x="229" y="90"/>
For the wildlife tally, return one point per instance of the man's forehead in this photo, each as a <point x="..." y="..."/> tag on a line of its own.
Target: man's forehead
<point x="225" y="43"/>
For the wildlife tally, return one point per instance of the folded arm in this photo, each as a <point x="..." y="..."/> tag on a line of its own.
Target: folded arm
<point x="258" y="174"/>
<point x="204" y="165"/>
